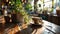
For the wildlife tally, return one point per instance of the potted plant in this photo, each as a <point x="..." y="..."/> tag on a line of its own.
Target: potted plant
<point x="21" y="14"/>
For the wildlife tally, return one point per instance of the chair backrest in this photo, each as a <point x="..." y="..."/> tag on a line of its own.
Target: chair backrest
<point x="2" y="20"/>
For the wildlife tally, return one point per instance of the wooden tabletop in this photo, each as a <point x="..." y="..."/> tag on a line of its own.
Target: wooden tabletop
<point x="47" y="28"/>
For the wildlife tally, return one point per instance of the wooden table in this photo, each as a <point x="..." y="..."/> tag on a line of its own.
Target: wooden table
<point x="47" y="28"/>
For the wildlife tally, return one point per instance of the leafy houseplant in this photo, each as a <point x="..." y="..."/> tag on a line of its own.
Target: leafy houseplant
<point x="20" y="11"/>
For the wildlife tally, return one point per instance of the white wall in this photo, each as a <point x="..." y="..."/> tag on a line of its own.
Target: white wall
<point x="39" y="2"/>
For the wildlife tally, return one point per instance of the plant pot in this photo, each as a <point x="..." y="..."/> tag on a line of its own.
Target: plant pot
<point x="58" y="12"/>
<point x="20" y="18"/>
